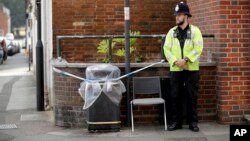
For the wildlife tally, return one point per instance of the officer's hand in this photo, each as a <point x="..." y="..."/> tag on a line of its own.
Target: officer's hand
<point x="181" y="63"/>
<point x="185" y="67"/>
<point x="178" y="63"/>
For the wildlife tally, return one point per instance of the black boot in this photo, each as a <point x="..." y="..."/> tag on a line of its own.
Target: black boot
<point x="194" y="127"/>
<point x="174" y="126"/>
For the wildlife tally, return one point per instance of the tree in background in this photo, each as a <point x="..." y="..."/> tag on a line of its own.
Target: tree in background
<point x="17" y="12"/>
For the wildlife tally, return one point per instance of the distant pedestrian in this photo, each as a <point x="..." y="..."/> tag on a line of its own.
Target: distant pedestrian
<point x="4" y="49"/>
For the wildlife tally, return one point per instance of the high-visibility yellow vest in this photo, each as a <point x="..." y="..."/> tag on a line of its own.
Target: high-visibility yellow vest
<point x="192" y="49"/>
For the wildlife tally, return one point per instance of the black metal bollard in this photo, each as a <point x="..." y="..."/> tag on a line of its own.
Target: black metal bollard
<point x="39" y="62"/>
<point x="39" y="76"/>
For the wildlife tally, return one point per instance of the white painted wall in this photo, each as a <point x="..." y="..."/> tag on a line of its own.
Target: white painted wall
<point x="47" y="38"/>
<point x="32" y="35"/>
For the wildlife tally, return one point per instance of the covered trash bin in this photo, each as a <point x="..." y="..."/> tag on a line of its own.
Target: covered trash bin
<point x="102" y="94"/>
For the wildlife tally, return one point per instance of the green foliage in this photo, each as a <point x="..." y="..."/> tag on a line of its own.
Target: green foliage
<point x="119" y="40"/>
<point x="118" y="47"/>
<point x="138" y="58"/>
<point x="133" y="40"/>
<point x="17" y="12"/>
<point x="121" y="52"/>
<point x="105" y="60"/>
<point x="103" y="47"/>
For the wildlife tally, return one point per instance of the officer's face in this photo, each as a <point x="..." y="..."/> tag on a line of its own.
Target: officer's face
<point x="180" y="18"/>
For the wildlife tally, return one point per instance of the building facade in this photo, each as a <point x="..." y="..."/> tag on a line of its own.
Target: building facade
<point x="224" y="93"/>
<point x="229" y="21"/>
<point x="5" y="20"/>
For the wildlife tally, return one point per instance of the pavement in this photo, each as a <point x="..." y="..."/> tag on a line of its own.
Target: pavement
<point x="19" y="120"/>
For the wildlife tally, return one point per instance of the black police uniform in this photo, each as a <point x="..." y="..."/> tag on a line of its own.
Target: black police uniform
<point x="184" y="84"/>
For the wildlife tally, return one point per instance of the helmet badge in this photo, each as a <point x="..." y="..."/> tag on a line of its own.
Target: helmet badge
<point x="177" y="8"/>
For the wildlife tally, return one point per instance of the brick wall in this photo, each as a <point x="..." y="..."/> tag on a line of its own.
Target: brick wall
<point x="229" y="20"/>
<point x="4" y="20"/>
<point x="224" y="90"/>
<point x="104" y="17"/>
<point x="205" y="16"/>
<point x="68" y="103"/>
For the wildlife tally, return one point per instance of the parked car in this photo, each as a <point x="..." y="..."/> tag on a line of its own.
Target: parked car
<point x="12" y="47"/>
<point x="23" y="43"/>
<point x="9" y="36"/>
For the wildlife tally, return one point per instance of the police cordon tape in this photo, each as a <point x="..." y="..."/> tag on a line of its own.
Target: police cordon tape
<point x="101" y="80"/>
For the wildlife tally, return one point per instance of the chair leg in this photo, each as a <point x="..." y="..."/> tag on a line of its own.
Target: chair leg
<point x="165" y="118"/>
<point x="132" y="117"/>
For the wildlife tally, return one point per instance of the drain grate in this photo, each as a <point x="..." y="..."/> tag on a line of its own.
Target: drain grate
<point x="8" y="126"/>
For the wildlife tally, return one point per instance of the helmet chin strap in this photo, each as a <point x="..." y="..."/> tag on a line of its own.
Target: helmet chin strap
<point x="181" y="23"/>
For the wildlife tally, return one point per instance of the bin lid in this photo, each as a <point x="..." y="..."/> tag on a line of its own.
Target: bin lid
<point x="102" y="71"/>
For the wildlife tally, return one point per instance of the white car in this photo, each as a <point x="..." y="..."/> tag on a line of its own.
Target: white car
<point x="9" y="36"/>
<point x="10" y="44"/>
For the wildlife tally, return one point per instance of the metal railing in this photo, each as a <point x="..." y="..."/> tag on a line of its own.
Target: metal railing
<point x="110" y="38"/>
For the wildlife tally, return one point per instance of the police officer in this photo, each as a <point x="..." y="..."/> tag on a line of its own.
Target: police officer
<point x="183" y="47"/>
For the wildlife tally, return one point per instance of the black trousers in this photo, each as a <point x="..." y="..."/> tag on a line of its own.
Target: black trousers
<point x="184" y="86"/>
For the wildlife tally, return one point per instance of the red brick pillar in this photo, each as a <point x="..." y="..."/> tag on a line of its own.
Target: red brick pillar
<point x="229" y="21"/>
<point x="4" y="21"/>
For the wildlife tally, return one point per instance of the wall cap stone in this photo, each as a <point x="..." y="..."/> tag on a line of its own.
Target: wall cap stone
<point x="64" y="64"/>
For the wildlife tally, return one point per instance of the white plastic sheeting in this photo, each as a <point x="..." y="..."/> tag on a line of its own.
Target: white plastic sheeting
<point x="91" y="90"/>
